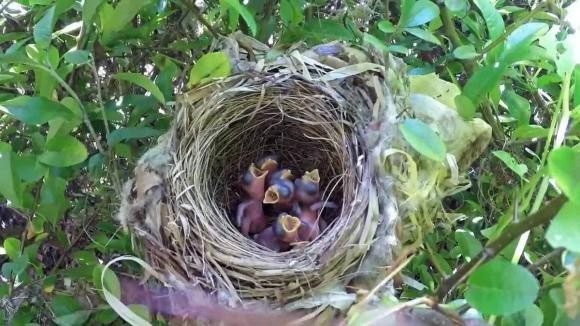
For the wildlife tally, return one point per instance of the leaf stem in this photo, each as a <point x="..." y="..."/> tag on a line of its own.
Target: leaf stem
<point x="495" y="246"/>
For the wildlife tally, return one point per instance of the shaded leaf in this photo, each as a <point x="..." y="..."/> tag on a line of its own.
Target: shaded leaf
<point x="456" y="5"/>
<point x="518" y="106"/>
<point x="564" y="166"/>
<point x="89" y="11"/>
<point x="532" y="316"/>
<point x="291" y="11"/>
<point x="35" y="110"/>
<point x="42" y="31"/>
<point x="28" y="168"/>
<point x="209" y="66"/>
<point x="519" y="168"/>
<point x="468" y="244"/>
<point x="501" y="288"/>
<point x="530" y="131"/>
<point x="465" y="52"/>
<point x="386" y="26"/>
<point x="76" y="318"/>
<point x="110" y="280"/>
<point x="482" y="82"/>
<point x="142" y="81"/>
<point x="564" y="231"/>
<point x="245" y="13"/>
<point x="115" y="19"/>
<point x="77" y="57"/>
<point x="122" y="134"/>
<point x="374" y="41"/>
<point x="63" y="151"/>
<point x="53" y="203"/>
<point x="423" y="139"/>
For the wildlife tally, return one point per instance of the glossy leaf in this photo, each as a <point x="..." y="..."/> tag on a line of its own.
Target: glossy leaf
<point x="245" y="13"/>
<point x="142" y="81"/>
<point x="423" y="139"/>
<point x="564" y="231"/>
<point x="424" y="35"/>
<point x="564" y="166"/>
<point x="501" y="288"/>
<point x="386" y="26"/>
<point x="209" y="66"/>
<point x="493" y="19"/>
<point x="42" y="31"/>
<point x="517" y="43"/>
<point x="415" y="13"/>
<point x="122" y="134"/>
<point x="10" y="186"/>
<point x="511" y="162"/>
<point x="465" y="52"/>
<point x="63" y="151"/>
<point x="35" y="110"/>
<point x="13" y="247"/>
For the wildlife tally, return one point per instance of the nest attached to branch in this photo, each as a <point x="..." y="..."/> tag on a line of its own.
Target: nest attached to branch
<point x="333" y="108"/>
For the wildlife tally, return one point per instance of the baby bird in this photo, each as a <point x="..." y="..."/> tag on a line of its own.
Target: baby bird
<point x="312" y="223"/>
<point x="281" y="234"/>
<point x="254" y="181"/>
<point x="280" y="193"/>
<point x="280" y="175"/>
<point x="308" y="188"/>
<point x="250" y="217"/>
<point x="268" y="163"/>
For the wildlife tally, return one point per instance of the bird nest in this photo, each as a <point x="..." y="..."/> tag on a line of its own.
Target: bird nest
<point x="330" y="108"/>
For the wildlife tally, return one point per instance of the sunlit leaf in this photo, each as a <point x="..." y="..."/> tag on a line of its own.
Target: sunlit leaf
<point x="35" y="110"/>
<point x="516" y="45"/>
<point x="493" y="19"/>
<point x="465" y="52"/>
<point x="115" y="19"/>
<point x="122" y="134"/>
<point x="89" y="11"/>
<point x="501" y="288"/>
<point x="245" y="13"/>
<point x="63" y="151"/>
<point x="42" y="31"/>
<point x="10" y="186"/>
<point x="143" y="81"/>
<point x="209" y="66"/>
<point x="530" y="131"/>
<point x="386" y="26"/>
<point x="510" y="161"/>
<point x="456" y="5"/>
<point x="564" y="231"/>
<point x="417" y="12"/>
<point x="13" y="247"/>
<point x="424" y="35"/>
<point x="564" y="166"/>
<point x="423" y="139"/>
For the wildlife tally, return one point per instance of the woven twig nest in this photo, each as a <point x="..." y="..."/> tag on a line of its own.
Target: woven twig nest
<point x="332" y="107"/>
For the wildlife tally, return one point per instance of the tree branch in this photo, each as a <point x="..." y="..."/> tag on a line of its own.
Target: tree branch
<point x="195" y="11"/>
<point x="510" y="233"/>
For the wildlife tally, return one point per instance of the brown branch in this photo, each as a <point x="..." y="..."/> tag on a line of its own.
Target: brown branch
<point x="510" y="233"/>
<point x="195" y="11"/>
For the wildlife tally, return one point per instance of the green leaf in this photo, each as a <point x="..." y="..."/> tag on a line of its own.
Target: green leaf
<point x="115" y="20"/>
<point x="374" y="41"/>
<point x="143" y="81"/>
<point x="424" y="35"/>
<point x="519" y="168"/>
<point x="530" y="132"/>
<point x="322" y="30"/>
<point x="564" y="166"/>
<point x="89" y="10"/>
<point x="13" y="247"/>
<point x="493" y="19"/>
<point x="122" y="134"/>
<point x="291" y="11"/>
<point x="386" y="26"/>
<point x="423" y="139"/>
<point x="64" y="305"/>
<point x="564" y="231"/>
<point x="35" y="110"/>
<point x="465" y="52"/>
<point x="53" y="203"/>
<point x="209" y="66"/>
<point x="42" y="31"/>
<point x="456" y="5"/>
<point x="110" y="281"/>
<point x="468" y="244"/>
<point x="63" y="151"/>
<point x="10" y="186"/>
<point x="28" y="168"/>
<point x="245" y="13"/>
<point x="517" y="43"/>
<point x="415" y="13"/>
<point x="501" y="288"/>
<point x="518" y="107"/>
<point x="77" y="57"/>
<point x="76" y="318"/>
<point x="482" y="82"/>
<point x="465" y="107"/>
<point x="532" y="316"/>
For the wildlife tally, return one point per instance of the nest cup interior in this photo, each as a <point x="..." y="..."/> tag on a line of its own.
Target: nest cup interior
<point x="216" y="143"/>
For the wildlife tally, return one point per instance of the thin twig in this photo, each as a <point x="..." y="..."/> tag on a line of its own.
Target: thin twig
<point x="547" y="257"/>
<point x="494" y="247"/>
<point x="195" y="11"/>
